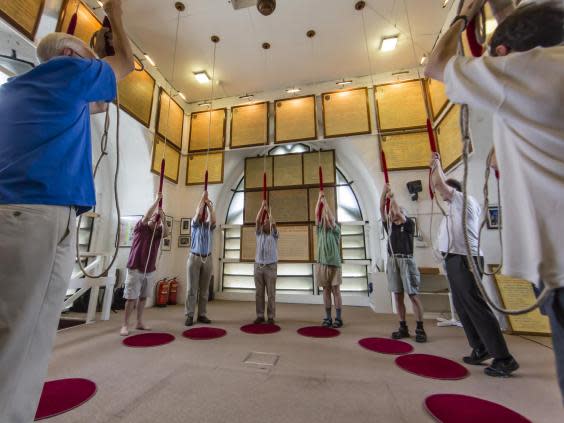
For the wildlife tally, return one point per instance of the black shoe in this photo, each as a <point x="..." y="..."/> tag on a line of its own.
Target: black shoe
<point x="502" y="367"/>
<point x="402" y="332"/>
<point x="204" y="319"/>
<point x="259" y="320"/>
<point x="327" y="322"/>
<point x="477" y="357"/>
<point x="270" y="321"/>
<point x="338" y="323"/>
<point x="189" y="321"/>
<point x="420" y="335"/>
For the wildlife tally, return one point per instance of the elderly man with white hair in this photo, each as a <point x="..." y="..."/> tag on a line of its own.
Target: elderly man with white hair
<point x="45" y="181"/>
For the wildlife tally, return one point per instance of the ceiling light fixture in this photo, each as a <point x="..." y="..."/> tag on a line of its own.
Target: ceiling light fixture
<point x="389" y="43"/>
<point x="149" y="60"/>
<point x="202" y="77"/>
<point x="100" y="3"/>
<point x="247" y="97"/>
<point x="204" y="104"/>
<point x="293" y="90"/>
<point x="445" y="2"/>
<point x="423" y="60"/>
<point x="344" y="82"/>
<point x="182" y="96"/>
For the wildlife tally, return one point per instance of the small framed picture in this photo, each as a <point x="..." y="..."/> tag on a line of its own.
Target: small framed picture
<point x="493" y="217"/>
<point x="185" y="226"/>
<point x="169" y="221"/>
<point x="126" y="227"/>
<point x="166" y="246"/>
<point x="184" y="241"/>
<point x="415" y="227"/>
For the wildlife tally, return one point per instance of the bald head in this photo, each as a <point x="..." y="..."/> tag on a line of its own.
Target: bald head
<point x="60" y="44"/>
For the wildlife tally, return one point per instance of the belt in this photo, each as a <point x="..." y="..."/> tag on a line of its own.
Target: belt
<point x="201" y="255"/>
<point x="403" y="255"/>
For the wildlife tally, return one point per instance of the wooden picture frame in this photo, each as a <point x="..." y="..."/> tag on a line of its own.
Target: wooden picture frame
<point x="436" y="93"/>
<point x="172" y="159"/>
<point x="308" y="117"/>
<point x="333" y="120"/>
<point x="243" y="129"/>
<point x="254" y="171"/>
<point x="196" y="167"/>
<point x="492" y="218"/>
<point x="87" y="23"/>
<point x="11" y="10"/>
<point x="184" y="241"/>
<point x="138" y="81"/>
<point x="166" y="243"/>
<point x="414" y="144"/>
<point x="185" y="226"/>
<point x="175" y="130"/>
<point x="311" y="167"/>
<point x="200" y="129"/>
<point x="392" y="99"/>
<point x="449" y="138"/>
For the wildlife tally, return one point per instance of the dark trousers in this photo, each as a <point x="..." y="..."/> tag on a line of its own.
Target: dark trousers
<point x="478" y="320"/>
<point x="553" y="307"/>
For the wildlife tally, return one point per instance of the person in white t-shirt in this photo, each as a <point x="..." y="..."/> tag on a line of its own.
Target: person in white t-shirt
<point x="521" y="85"/>
<point x="479" y="323"/>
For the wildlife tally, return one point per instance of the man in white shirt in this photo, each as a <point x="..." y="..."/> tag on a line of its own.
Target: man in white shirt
<point x="521" y="85"/>
<point x="479" y="323"/>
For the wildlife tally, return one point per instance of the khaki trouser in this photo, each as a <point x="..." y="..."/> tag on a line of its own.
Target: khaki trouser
<point x="36" y="261"/>
<point x="265" y="277"/>
<point x="199" y="275"/>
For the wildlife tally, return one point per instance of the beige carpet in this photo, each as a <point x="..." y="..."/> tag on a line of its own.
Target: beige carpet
<point x="314" y="380"/>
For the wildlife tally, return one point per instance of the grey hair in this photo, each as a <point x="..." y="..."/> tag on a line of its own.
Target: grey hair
<point x="53" y="44"/>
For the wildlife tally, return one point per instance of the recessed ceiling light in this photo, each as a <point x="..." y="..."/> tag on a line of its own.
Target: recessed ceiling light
<point x="182" y="96"/>
<point x="247" y="97"/>
<point x="293" y="90"/>
<point x="150" y="60"/>
<point x="445" y="2"/>
<point x="100" y="3"/>
<point x="423" y="60"/>
<point x="204" y="104"/>
<point x="202" y="77"/>
<point x="389" y="43"/>
<point x="344" y="82"/>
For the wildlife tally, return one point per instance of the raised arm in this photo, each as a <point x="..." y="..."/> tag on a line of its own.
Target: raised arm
<point x="395" y="208"/>
<point x="209" y="205"/>
<point x="258" y="220"/>
<point x="387" y="189"/>
<point x="122" y="63"/>
<point x="198" y="217"/>
<point x="151" y="209"/>
<point x="320" y="200"/>
<point x="163" y="223"/>
<point x="328" y="214"/>
<point x="438" y="178"/>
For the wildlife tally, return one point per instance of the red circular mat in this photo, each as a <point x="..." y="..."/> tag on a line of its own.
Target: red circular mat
<point x="318" y="332"/>
<point x="148" y="339"/>
<point x="60" y="396"/>
<point x="204" y="333"/>
<point x="260" y="329"/>
<point x="432" y="366"/>
<point x="452" y="408"/>
<point x="386" y="346"/>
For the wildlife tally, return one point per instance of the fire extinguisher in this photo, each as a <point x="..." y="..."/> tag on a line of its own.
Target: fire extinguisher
<point x="161" y="297"/>
<point x="172" y="291"/>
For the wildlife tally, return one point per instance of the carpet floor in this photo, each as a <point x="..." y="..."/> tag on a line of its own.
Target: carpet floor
<point x="302" y="380"/>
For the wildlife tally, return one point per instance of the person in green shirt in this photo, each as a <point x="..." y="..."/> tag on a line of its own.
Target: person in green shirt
<point x="328" y="272"/>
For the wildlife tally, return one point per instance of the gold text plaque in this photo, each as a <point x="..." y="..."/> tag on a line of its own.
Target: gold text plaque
<point x="293" y="243"/>
<point x="295" y="119"/>
<point x="201" y="133"/>
<point x="311" y="167"/>
<point x="288" y="170"/>
<point x="254" y="171"/>
<point x="330" y="197"/>
<point x="249" y="125"/>
<point x="253" y="200"/>
<point x="449" y="138"/>
<point x="289" y="205"/>
<point x="136" y="95"/>
<point x="248" y="243"/>
<point x="196" y="171"/>
<point x="24" y="15"/>
<point x="170" y="119"/>
<point x="437" y="96"/>
<point x="346" y="113"/>
<point x="172" y="160"/>
<point x="87" y="23"/>
<point x="406" y="150"/>
<point x="401" y="105"/>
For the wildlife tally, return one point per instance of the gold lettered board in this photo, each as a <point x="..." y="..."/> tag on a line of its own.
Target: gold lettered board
<point x="346" y="113"/>
<point x="330" y="197"/>
<point x="449" y="138"/>
<point x="24" y="15"/>
<point x="170" y="124"/>
<point x="87" y="23"/>
<point x="171" y="156"/>
<point x="406" y="150"/>
<point x="311" y="167"/>
<point x="289" y="205"/>
<point x="295" y="119"/>
<point x="288" y="170"/>
<point x="437" y="96"/>
<point x="201" y="131"/>
<point x="293" y="243"/>
<point x="253" y="200"/>
<point x="248" y="243"/>
<point x="518" y="293"/>
<point x="196" y="168"/>
<point x="136" y="94"/>
<point x="254" y="171"/>
<point x="400" y="105"/>
<point x="249" y="125"/>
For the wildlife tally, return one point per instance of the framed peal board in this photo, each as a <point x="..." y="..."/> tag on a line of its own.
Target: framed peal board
<point x="254" y="171"/>
<point x="330" y="196"/>
<point x="406" y="150"/>
<point x="249" y="125"/>
<point x="518" y="293"/>
<point x="449" y="138"/>
<point x="24" y="15"/>
<point x="346" y="113"/>
<point x="289" y="205"/>
<point x="295" y="119"/>
<point x="401" y="105"/>
<point x="293" y="243"/>
<point x="251" y="207"/>
<point x="87" y="23"/>
<point x="202" y="134"/>
<point x="170" y="124"/>
<point x="136" y="94"/>
<point x="172" y="159"/>
<point x="311" y="167"/>
<point x="196" y="168"/>
<point x="248" y="243"/>
<point x="288" y="170"/>
<point x="436" y="92"/>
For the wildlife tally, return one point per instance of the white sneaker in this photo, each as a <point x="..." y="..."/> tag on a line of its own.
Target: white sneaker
<point x="124" y="331"/>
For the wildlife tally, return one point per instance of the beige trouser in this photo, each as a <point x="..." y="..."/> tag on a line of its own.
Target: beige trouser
<point x="36" y="260"/>
<point x="199" y="275"/>
<point x="265" y="277"/>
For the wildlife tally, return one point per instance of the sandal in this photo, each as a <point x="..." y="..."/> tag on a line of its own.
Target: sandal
<point x="338" y="323"/>
<point x="327" y="322"/>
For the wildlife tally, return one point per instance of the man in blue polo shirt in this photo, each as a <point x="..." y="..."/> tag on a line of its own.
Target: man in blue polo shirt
<point x="45" y="180"/>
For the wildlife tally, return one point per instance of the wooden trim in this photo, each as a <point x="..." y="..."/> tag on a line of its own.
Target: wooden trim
<point x="394" y="169"/>
<point x="231" y="146"/>
<point x="21" y="29"/>
<point x="430" y="101"/>
<point x="161" y="90"/>
<point x="369" y="131"/>
<point x="224" y="130"/>
<point x="153" y="158"/>
<point x="209" y="183"/>
<point x="315" y="137"/>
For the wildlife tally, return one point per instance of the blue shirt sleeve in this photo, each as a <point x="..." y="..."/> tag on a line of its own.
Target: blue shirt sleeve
<point x="98" y="81"/>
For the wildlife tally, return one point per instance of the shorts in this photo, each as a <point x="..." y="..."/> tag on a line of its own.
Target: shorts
<point x="136" y="285"/>
<point x="407" y="279"/>
<point x="328" y="276"/>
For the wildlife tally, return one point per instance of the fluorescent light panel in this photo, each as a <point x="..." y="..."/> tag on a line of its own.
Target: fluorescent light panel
<point x="389" y="43"/>
<point x="150" y="60"/>
<point x="202" y="77"/>
<point x="293" y="90"/>
<point x="182" y="96"/>
<point x="343" y="82"/>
